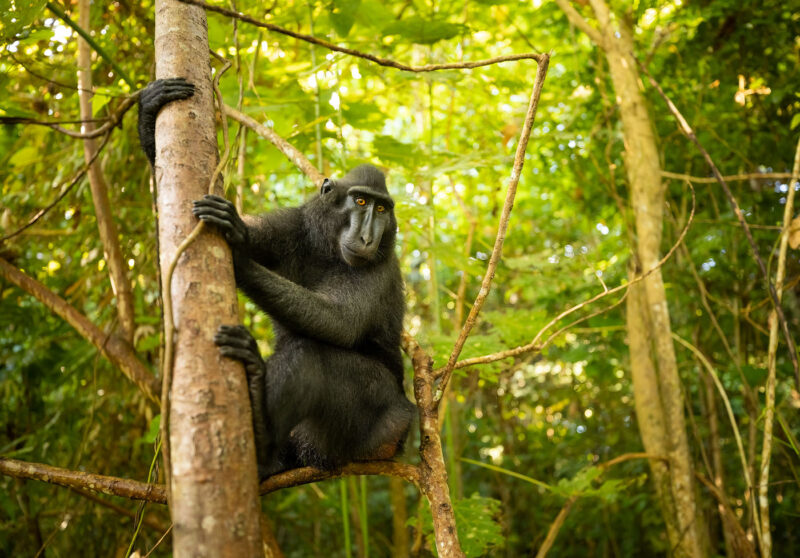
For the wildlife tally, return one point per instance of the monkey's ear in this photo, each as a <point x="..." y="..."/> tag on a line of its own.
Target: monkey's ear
<point x="326" y="187"/>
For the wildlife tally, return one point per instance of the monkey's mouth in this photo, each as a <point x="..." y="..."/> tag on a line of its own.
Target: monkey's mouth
<point x="355" y="258"/>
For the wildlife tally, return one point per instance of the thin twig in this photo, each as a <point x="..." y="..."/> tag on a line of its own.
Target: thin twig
<point x="684" y="126"/>
<point x="535" y="346"/>
<point x="366" y="56"/>
<point x="75" y="179"/>
<point x="731" y="417"/>
<point x="769" y="399"/>
<point x="291" y="152"/>
<point x="730" y="178"/>
<point x="502" y="227"/>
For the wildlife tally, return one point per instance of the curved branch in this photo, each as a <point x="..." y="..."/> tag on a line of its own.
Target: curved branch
<point x="115" y="349"/>
<point x="358" y="54"/>
<point x="502" y="227"/>
<point x="577" y="20"/>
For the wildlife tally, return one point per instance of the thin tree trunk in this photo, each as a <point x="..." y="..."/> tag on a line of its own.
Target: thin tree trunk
<point x="117" y="270"/>
<point x="647" y="405"/>
<point x="769" y="403"/>
<point x="400" y="540"/>
<point x="213" y="483"/>
<point x="647" y="199"/>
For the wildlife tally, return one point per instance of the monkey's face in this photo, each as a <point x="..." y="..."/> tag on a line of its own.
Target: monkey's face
<point x="370" y="216"/>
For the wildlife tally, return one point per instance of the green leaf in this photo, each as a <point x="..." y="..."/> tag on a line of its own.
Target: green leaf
<point x="15" y="16"/>
<point x="424" y="31"/>
<point x="795" y="121"/>
<point x="24" y="156"/>
<point x="478" y="528"/>
<point x="343" y="15"/>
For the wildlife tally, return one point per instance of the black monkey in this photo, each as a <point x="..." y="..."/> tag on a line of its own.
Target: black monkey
<point x="327" y="275"/>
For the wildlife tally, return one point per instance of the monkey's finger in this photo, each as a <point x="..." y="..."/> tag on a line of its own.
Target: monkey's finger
<point x="231" y="328"/>
<point x="223" y="205"/>
<point x="223" y="224"/>
<point x="217" y="199"/>
<point x="238" y="330"/>
<point x="199" y="210"/>
<point x="175" y="95"/>
<point x="233" y="340"/>
<point x="242" y="355"/>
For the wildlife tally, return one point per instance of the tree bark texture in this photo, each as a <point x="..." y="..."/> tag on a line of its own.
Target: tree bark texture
<point x="213" y="482"/>
<point x="117" y="270"/>
<point x="647" y="198"/>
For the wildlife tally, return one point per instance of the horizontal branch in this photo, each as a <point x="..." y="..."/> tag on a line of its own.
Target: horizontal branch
<point x="135" y="490"/>
<point x="730" y="178"/>
<point x="114" y="486"/>
<point x="118" y="351"/>
<point x="358" y="54"/>
<point x="307" y="475"/>
<point x="292" y="153"/>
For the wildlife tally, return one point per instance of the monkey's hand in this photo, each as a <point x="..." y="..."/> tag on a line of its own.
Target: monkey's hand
<point x="153" y="98"/>
<point x="222" y="214"/>
<point x="237" y="343"/>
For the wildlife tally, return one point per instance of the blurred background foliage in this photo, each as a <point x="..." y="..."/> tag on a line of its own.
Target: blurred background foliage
<point x="447" y="141"/>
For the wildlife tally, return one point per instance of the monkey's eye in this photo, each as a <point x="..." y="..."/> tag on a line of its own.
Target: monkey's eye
<point x="361" y="201"/>
<point x="380" y="209"/>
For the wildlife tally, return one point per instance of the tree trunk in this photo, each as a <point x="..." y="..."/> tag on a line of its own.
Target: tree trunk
<point x="117" y="270"/>
<point x="213" y="483"/>
<point x="647" y="198"/>
<point x="653" y="364"/>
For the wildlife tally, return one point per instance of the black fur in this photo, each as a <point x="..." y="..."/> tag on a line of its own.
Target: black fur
<point x="326" y="273"/>
<point x="152" y="99"/>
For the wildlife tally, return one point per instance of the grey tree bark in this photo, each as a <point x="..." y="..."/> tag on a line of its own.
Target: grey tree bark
<point x="213" y="482"/>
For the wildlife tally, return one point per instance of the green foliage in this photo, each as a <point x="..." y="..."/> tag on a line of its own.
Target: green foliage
<point x="538" y="423"/>
<point x="478" y="528"/>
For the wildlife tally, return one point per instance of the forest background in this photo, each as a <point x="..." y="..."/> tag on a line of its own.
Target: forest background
<point x="663" y="422"/>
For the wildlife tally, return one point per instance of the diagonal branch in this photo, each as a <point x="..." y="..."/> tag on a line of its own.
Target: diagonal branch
<point x="497" y="250"/>
<point x="358" y="54"/>
<point x="776" y="303"/>
<point x="292" y="153"/>
<point x="75" y="179"/>
<point x="116" y="350"/>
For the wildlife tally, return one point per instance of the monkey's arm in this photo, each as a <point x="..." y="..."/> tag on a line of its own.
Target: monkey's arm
<point x="339" y="315"/>
<point x="152" y="99"/>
